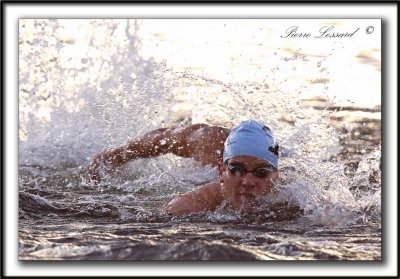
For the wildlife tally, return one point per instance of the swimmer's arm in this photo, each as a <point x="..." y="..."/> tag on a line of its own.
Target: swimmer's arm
<point x="110" y="160"/>
<point x="202" y="199"/>
<point x="152" y="144"/>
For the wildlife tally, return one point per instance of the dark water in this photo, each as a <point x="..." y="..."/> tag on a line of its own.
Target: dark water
<point x="330" y="159"/>
<point x="71" y="239"/>
<point x="61" y="217"/>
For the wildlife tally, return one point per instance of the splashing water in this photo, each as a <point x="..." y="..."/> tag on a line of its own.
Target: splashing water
<point x="84" y="87"/>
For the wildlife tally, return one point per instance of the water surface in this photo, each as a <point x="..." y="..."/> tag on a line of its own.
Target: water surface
<point x="95" y="84"/>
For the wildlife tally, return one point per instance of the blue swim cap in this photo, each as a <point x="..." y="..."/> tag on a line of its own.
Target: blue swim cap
<point x="253" y="139"/>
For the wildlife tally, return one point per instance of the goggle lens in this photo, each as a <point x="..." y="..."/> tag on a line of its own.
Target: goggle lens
<point x="261" y="172"/>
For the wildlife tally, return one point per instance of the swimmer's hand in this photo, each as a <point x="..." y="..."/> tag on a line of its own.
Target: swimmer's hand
<point x="106" y="161"/>
<point x="99" y="161"/>
<point x="92" y="170"/>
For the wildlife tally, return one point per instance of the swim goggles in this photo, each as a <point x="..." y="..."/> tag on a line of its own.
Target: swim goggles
<point x="238" y="170"/>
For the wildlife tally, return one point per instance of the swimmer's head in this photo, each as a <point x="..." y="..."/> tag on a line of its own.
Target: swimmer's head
<point x="252" y="139"/>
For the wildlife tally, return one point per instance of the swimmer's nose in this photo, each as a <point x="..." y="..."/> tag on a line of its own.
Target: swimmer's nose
<point x="248" y="181"/>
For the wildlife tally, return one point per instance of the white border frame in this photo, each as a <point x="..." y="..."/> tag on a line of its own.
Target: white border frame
<point x="13" y="11"/>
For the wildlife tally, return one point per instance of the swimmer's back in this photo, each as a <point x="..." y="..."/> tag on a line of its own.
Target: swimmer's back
<point x="207" y="143"/>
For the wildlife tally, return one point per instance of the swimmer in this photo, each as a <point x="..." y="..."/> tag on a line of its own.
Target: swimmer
<point x="246" y="158"/>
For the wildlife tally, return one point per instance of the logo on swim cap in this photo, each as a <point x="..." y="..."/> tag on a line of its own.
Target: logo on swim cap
<point x="253" y="139"/>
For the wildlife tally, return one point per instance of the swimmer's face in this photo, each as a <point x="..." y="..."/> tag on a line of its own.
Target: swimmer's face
<point x="241" y="188"/>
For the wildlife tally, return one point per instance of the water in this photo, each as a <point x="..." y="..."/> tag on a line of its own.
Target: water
<point x="93" y="85"/>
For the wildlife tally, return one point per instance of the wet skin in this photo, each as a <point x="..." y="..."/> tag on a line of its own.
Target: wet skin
<point x="205" y="144"/>
<point x="202" y="142"/>
<point x="237" y="192"/>
<point x="242" y="191"/>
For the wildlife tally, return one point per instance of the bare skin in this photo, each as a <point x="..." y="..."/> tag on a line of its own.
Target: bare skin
<point x="202" y="199"/>
<point x="202" y="142"/>
<point x="205" y="144"/>
<point x="240" y="192"/>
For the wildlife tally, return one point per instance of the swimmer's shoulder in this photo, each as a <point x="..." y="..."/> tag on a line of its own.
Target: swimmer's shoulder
<point x="209" y="193"/>
<point x="212" y="188"/>
<point x="209" y="131"/>
<point x="203" y="198"/>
